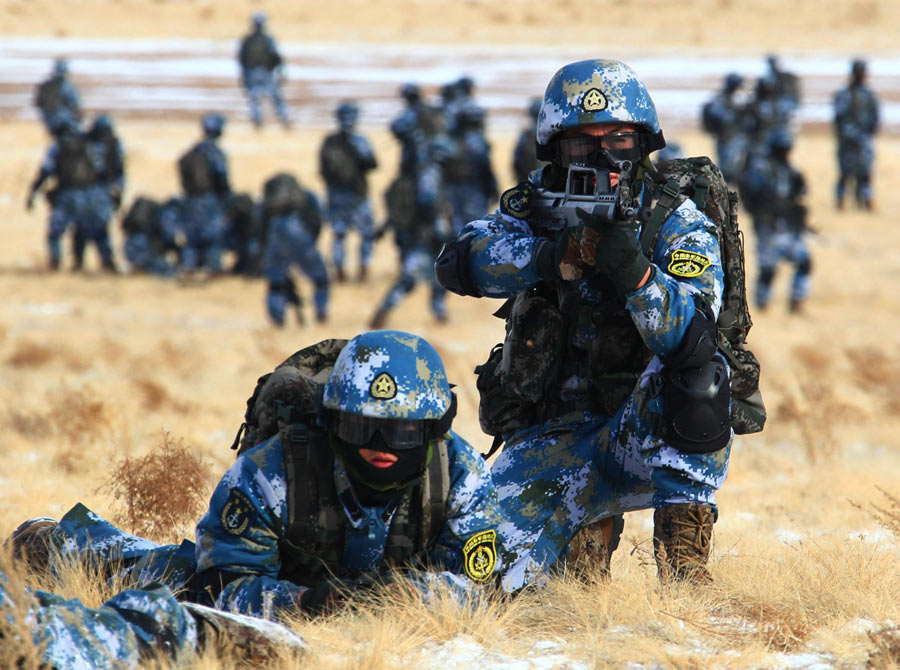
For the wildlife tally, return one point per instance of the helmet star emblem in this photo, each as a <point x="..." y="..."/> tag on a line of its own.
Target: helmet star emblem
<point x="594" y="100"/>
<point x="383" y="387"/>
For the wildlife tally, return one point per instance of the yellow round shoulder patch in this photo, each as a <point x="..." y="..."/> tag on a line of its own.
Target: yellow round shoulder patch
<point x="480" y="555"/>
<point x="686" y="263"/>
<point x="383" y="387"/>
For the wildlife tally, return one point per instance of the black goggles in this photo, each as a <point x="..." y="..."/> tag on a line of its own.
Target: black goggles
<point x="604" y="151"/>
<point x="359" y="430"/>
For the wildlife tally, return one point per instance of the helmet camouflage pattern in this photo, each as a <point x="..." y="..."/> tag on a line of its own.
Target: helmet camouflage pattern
<point x="389" y="374"/>
<point x="596" y="91"/>
<point x="213" y="124"/>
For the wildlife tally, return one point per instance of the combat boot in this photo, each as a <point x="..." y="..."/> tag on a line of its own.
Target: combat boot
<point x="339" y="275"/>
<point x="31" y="543"/>
<point x="363" y="274"/>
<point x="378" y="320"/>
<point x="592" y="547"/>
<point x="682" y="536"/>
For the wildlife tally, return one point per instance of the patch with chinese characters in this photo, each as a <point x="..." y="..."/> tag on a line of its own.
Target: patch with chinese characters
<point x="517" y="201"/>
<point x="480" y="555"/>
<point x="687" y="263"/>
<point x="594" y="100"/>
<point x="383" y="387"/>
<point x="237" y="512"/>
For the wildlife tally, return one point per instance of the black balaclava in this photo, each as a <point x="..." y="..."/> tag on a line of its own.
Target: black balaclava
<point x="378" y="485"/>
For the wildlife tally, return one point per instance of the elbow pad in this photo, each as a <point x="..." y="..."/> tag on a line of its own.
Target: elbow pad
<point x="452" y="268"/>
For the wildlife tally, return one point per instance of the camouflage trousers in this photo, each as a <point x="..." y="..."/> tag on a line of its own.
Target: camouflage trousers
<point x="732" y="155"/>
<point x="69" y="208"/>
<point x="260" y="82"/>
<point x="125" y="630"/>
<point x="556" y="477"/>
<point x="203" y="223"/>
<point x="855" y="159"/>
<point x="774" y="247"/>
<point x="467" y="203"/>
<point x="93" y="226"/>
<point x="418" y="265"/>
<point x="141" y="254"/>
<point x="347" y="210"/>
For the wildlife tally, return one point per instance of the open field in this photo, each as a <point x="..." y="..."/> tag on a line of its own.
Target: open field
<point x="95" y="368"/>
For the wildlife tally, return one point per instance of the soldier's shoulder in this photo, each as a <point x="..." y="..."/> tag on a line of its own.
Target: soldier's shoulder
<point x="462" y="455"/>
<point x="519" y="200"/>
<point x="265" y="456"/>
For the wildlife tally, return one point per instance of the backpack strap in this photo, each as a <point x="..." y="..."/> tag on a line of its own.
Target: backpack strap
<point x="295" y="442"/>
<point x="667" y="201"/>
<point x="434" y="495"/>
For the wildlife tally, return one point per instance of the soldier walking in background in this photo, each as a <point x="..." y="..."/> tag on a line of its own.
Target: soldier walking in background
<point x="345" y="159"/>
<point x="75" y="200"/>
<point x="203" y="171"/>
<point x="469" y="180"/>
<point x="722" y="117"/>
<point x="57" y="98"/>
<point x="855" y="124"/>
<point x="262" y="71"/>
<point x="775" y="191"/>
<point x="429" y="228"/>
<point x="292" y="219"/>
<point x="525" y="154"/>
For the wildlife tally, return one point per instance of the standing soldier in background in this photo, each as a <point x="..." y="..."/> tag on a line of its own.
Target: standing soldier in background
<point x="429" y="229"/>
<point x="525" y="155"/>
<point x="261" y="71"/>
<point x="774" y="197"/>
<point x="469" y="179"/>
<point x="73" y="199"/>
<point x="722" y="117"/>
<point x="57" y="98"/>
<point x="785" y="85"/>
<point x="345" y="160"/>
<point x="856" y="122"/>
<point x="204" y="178"/>
<point x="292" y="219"/>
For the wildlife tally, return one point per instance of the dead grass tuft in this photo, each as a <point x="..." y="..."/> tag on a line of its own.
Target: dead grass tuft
<point x="888" y="515"/>
<point x="78" y="416"/>
<point x="30" y="354"/>
<point x="161" y="495"/>
<point x="155" y="397"/>
<point x="886" y="655"/>
<point x="17" y="648"/>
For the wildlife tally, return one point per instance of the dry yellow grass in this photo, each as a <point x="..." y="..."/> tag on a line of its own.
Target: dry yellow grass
<point x="94" y="369"/>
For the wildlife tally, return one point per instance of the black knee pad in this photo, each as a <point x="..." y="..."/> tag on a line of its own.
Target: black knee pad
<point x="696" y="392"/>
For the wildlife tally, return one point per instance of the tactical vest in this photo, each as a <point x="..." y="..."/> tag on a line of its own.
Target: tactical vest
<point x="459" y="168"/>
<point x="74" y="168"/>
<point x="196" y="173"/>
<point x="255" y="51"/>
<point x="143" y="214"/>
<point x="313" y="542"/>
<point x="49" y="95"/>
<point x="340" y="166"/>
<point x="521" y="382"/>
<point x="109" y="158"/>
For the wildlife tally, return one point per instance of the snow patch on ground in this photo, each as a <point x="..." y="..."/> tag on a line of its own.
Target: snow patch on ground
<point x="464" y="653"/>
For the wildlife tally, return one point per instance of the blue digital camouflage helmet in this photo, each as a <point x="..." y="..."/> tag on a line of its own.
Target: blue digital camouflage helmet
<point x="347" y="113"/>
<point x="389" y="374"/>
<point x="596" y="91"/>
<point x="213" y="124"/>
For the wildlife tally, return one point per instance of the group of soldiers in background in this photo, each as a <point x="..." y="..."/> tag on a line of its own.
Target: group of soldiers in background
<point x="444" y="179"/>
<point x="753" y="144"/>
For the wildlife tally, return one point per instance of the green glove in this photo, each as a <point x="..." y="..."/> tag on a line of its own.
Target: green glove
<point x="323" y="599"/>
<point x="616" y="252"/>
<point x="560" y="258"/>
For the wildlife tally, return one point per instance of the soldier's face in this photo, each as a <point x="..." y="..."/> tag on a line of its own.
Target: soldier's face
<point x="619" y="133"/>
<point x="378" y="459"/>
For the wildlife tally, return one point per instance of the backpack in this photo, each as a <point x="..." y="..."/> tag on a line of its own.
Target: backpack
<point x="701" y="180"/>
<point x="255" y="52"/>
<point x="708" y="120"/>
<point x="49" y="95"/>
<point x="340" y="164"/>
<point x="142" y="214"/>
<point x="282" y="194"/>
<point x="195" y="172"/>
<point x="74" y="167"/>
<point x="286" y="402"/>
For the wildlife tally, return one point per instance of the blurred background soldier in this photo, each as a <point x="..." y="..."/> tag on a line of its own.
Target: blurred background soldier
<point x="292" y="219"/>
<point x="469" y="179"/>
<point x="57" y="98"/>
<point x="148" y="238"/>
<point x="244" y="235"/>
<point x="525" y="154"/>
<point x="855" y="122"/>
<point x="73" y="199"/>
<point x="345" y="159"/>
<point x="722" y="117"/>
<point x="775" y="190"/>
<point x="764" y="114"/>
<point x="262" y="71"/>
<point x="410" y="118"/>
<point x="204" y="179"/>
<point x="785" y="85"/>
<point x="429" y="230"/>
